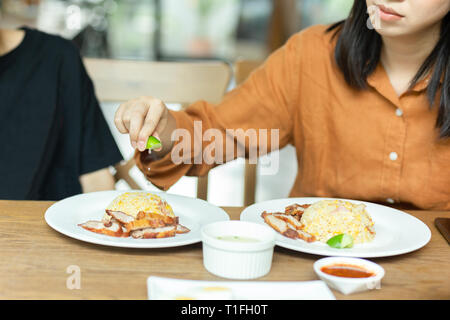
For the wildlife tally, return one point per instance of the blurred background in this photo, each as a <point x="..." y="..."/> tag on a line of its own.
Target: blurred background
<point x="179" y="30"/>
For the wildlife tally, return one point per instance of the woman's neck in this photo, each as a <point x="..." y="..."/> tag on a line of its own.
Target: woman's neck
<point x="10" y="39"/>
<point x="403" y="56"/>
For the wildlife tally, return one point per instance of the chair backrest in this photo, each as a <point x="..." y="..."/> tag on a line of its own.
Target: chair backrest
<point x="172" y="82"/>
<point x="242" y="70"/>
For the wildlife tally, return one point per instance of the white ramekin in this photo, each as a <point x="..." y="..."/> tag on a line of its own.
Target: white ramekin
<point x="350" y="285"/>
<point x="237" y="260"/>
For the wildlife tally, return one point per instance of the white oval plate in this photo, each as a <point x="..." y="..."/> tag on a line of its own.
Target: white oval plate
<point x="65" y="215"/>
<point x="396" y="231"/>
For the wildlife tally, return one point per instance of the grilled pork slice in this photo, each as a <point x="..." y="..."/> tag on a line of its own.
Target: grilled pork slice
<point x="144" y="223"/>
<point x="151" y="220"/>
<point x="296" y="210"/>
<point x="279" y="225"/>
<point x="111" y="228"/>
<point x="149" y="233"/>
<point x="291" y="220"/>
<point x="288" y="227"/>
<point x="120" y="216"/>
<point x="125" y="232"/>
<point x="168" y="220"/>
<point x="305" y="236"/>
<point x="182" y="229"/>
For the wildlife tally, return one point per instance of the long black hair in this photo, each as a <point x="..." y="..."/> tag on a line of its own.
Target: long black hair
<point x="358" y="52"/>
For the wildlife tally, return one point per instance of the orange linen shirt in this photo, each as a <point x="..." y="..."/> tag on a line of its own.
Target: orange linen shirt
<point x="368" y="145"/>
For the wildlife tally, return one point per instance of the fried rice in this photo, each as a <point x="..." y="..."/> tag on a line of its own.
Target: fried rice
<point x="328" y="218"/>
<point x="132" y="203"/>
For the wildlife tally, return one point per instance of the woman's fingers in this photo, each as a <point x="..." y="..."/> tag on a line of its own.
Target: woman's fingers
<point x="156" y="135"/>
<point x="140" y="118"/>
<point x="146" y="131"/>
<point x="136" y="121"/>
<point x="151" y="122"/>
<point x="118" y="118"/>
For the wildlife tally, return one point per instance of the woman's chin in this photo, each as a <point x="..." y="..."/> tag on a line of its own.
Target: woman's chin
<point x="386" y="30"/>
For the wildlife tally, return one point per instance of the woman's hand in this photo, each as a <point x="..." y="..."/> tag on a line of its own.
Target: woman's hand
<point x="144" y="117"/>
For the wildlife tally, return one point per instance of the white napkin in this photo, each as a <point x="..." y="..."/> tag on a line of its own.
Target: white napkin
<point x="160" y="288"/>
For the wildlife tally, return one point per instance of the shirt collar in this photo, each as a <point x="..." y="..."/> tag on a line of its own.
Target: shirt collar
<point x="423" y="84"/>
<point x="379" y="80"/>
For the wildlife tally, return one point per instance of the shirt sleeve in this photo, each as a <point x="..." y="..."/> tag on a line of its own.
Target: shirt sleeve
<point x="263" y="104"/>
<point x="98" y="147"/>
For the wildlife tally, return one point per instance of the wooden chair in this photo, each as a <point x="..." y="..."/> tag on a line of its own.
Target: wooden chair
<point x="284" y="22"/>
<point x="172" y="82"/>
<point x="242" y="69"/>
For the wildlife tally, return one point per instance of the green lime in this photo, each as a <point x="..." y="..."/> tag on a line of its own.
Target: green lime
<point x="153" y="143"/>
<point x="341" y="241"/>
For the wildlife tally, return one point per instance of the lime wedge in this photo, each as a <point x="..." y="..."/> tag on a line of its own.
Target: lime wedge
<point x="153" y="143"/>
<point x="341" y="241"/>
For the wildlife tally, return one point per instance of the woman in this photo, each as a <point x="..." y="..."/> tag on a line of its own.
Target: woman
<point x="367" y="106"/>
<point x="54" y="140"/>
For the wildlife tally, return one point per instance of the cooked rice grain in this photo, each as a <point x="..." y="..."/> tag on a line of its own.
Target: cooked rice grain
<point x="328" y="218"/>
<point x="132" y="203"/>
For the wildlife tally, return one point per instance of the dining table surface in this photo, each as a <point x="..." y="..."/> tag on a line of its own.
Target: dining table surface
<point x="36" y="262"/>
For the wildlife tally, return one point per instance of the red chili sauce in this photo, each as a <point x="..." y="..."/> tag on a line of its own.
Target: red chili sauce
<point x="347" y="271"/>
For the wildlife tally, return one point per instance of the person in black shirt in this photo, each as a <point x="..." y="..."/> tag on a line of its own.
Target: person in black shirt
<point x="54" y="140"/>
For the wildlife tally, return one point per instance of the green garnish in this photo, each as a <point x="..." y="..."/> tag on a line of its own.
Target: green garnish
<point x="341" y="241"/>
<point x="153" y="143"/>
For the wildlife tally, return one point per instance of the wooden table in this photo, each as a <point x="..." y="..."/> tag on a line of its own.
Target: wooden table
<point x="34" y="259"/>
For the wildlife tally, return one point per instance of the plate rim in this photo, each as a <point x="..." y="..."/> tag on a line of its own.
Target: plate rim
<point x="105" y="242"/>
<point x="320" y="252"/>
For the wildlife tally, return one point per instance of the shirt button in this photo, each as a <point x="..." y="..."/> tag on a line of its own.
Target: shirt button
<point x="390" y="200"/>
<point x="399" y="112"/>
<point x="393" y="156"/>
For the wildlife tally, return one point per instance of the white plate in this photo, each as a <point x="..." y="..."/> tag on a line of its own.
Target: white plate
<point x="65" y="215"/>
<point x="160" y="288"/>
<point x="396" y="232"/>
